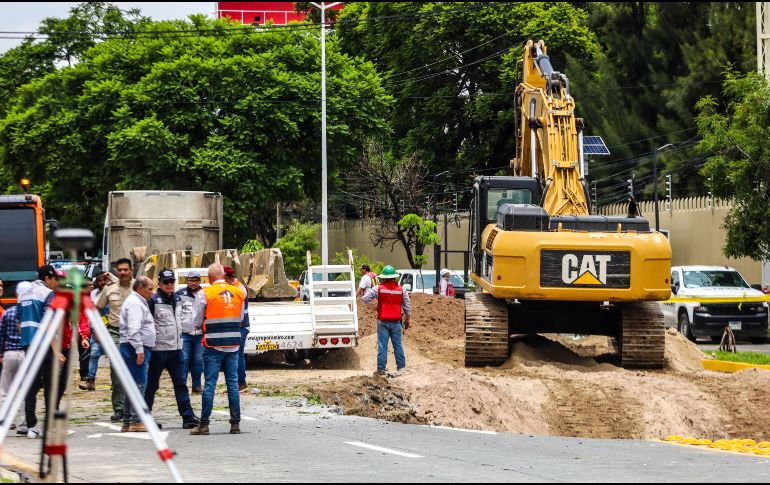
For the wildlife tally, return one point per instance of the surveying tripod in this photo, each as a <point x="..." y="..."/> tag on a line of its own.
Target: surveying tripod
<point x="72" y="299"/>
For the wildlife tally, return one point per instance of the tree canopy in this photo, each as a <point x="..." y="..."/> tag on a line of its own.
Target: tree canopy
<point x="739" y="165"/>
<point x="225" y="108"/>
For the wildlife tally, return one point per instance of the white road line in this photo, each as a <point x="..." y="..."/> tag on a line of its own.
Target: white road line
<point x="109" y="426"/>
<point x="97" y="435"/>
<point x="243" y="418"/>
<point x="383" y="450"/>
<point x="463" y="430"/>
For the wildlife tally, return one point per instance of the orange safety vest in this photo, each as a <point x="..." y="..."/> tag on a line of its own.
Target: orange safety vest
<point x="224" y="302"/>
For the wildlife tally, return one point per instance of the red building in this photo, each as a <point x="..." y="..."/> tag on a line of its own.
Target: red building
<point x="279" y="13"/>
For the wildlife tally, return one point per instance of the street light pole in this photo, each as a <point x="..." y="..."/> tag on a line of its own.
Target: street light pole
<point x="324" y="194"/>
<point x="655" y="182"/>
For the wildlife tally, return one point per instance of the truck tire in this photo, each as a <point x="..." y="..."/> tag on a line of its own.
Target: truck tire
<point x="294" y="356"/>
<point x="758" y="340"/>
<point x="684" y="327"/>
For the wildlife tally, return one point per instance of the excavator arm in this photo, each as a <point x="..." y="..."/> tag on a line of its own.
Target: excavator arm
<point x="548" y="147"/>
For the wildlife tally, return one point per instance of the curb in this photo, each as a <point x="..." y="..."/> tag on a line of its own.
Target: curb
<point x="730" y="367"/>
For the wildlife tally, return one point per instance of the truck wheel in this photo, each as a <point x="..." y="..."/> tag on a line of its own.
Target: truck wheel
<point x="294" y="356"/>
<point x="758" y="340"/>
<point x="684" y="327"/>
<point x="717" y="339"/>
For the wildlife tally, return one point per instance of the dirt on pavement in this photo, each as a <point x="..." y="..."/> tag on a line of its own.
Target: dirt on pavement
<point x="551" y="385"/>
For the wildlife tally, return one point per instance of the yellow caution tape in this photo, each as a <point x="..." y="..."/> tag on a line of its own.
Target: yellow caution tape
<point x="737" y="299"/>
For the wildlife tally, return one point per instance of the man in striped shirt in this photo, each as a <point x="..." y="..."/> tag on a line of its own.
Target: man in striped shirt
<point x="11" y="354"/>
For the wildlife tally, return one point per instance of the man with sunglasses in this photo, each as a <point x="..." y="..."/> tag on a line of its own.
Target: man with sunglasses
<point x="167" y="353"/>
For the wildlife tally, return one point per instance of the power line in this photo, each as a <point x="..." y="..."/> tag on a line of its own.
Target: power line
<point x="455" y="56"/>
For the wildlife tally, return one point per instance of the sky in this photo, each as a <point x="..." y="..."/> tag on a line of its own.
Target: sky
<point x="26" y="16"/>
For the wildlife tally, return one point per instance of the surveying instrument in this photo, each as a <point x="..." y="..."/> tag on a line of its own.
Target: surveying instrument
<point x="72" y="299"/>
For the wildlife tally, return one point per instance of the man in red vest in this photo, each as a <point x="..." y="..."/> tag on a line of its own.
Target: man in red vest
<point x="392" y="300"/>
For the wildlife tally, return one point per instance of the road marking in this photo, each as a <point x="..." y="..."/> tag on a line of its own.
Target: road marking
<point x="383" y="450"/>
<point x="462" y="429"/>
<point x="244" y="418"/>
<point x="97" y="435"/>
<point x="113" y="427"/>
<point x="138" y="436"/>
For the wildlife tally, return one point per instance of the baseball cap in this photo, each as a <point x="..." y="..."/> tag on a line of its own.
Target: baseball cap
<point x="166" y="275"/>
<point x="48" y="271"/>
<point x="193" y="275"/>
<point x="229" y="271"/>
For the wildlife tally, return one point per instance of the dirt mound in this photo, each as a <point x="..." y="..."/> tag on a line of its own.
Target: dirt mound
<point x="370" y="396"/>
<point x="538" y="350"/>
<point x="681" y="354"/>
<point x="551" y="385"/>
<point x="437" y="330"/>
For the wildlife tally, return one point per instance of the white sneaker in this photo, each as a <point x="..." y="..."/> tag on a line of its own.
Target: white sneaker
<point x="22" y="430"/>
<point x="34" y="433"/>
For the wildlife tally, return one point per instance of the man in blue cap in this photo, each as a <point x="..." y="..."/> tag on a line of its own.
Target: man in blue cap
<point x="190" y="312"/>
<point x="167" y="354"/>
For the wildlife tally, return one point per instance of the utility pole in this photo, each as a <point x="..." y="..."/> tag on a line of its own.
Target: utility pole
<point x="324" y="195"/>
<point x="278" y="221"/>
<point x="655" y="181"/>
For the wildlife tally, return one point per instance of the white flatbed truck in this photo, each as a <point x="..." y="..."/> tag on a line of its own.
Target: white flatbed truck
<point x="303" y="329"/>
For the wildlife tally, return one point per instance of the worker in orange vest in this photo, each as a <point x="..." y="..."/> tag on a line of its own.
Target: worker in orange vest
<point x="221" y="340"/>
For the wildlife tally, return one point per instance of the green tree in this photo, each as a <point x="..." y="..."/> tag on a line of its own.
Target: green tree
<point x="452" y="69"/>
<point x="418" y="234"/>
<point x="224" y="108"/>
<point x="294" y="245"/>
<point x="358" y="260"/>
<point x="739" y="165"/>
<point x="656" y="60"/>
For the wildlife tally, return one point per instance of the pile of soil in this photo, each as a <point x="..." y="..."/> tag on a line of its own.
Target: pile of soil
<point x="551" y="385"/>
<point x="373" y="397"/>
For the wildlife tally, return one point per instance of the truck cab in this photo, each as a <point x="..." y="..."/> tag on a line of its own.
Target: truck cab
<point x="707" y="319"/>
<point x="22" y="241"/>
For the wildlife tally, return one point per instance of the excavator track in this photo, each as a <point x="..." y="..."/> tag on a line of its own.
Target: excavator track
<point x="487" y="339"/>
<point x="642" y="337"/>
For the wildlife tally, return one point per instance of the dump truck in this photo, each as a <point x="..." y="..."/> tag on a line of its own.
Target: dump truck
<point x="22" y="241"/>
<point x="543" y="262"/>
<point x="144" y="222"/>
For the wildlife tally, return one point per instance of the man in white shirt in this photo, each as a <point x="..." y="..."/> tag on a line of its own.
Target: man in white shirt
<point x="137" y="337"/>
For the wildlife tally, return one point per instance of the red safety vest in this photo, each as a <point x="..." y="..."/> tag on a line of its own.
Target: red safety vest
<point x="389" y="298"/>
<point x="450" y="289"/>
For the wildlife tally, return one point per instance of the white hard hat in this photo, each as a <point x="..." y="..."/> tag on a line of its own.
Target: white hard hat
<point x="444" y="272"/>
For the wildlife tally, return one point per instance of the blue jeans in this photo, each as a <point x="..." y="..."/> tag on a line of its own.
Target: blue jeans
<point x="390" y="330"/>
<point x="139" y="373"/>
<point x="93" y="362"/>
<point x="213" y="362"/>
<point x="241" y="357"/>
<point x="192" y="355"/>
<point x="171" y="361"/>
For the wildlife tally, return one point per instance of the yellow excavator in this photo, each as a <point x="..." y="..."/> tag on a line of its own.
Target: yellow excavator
<point x="544" y="263"/>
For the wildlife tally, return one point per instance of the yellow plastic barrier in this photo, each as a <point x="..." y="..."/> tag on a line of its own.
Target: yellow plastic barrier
<point x="730" y="367"/>
<point x="747" y="446"/>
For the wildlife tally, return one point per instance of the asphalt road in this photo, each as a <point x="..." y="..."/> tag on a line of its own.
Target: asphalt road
<point x="290" y="441"/>
<point x="741" y="346"/>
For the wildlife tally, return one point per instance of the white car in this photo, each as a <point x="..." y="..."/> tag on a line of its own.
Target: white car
<point x="423" y="281"/>
<point x="705" y="319"/>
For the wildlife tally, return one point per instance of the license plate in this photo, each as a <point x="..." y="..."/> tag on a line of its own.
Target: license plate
<point x="267" y="346"/>
<point x="735" y="325"/>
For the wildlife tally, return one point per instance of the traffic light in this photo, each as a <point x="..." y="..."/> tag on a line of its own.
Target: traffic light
<point x="630" y="187"/>
<point x="669" y="192"/>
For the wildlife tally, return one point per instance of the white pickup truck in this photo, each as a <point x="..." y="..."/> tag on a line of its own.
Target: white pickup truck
<point x="328" y="320"/>
<point x="748" y="320"/>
